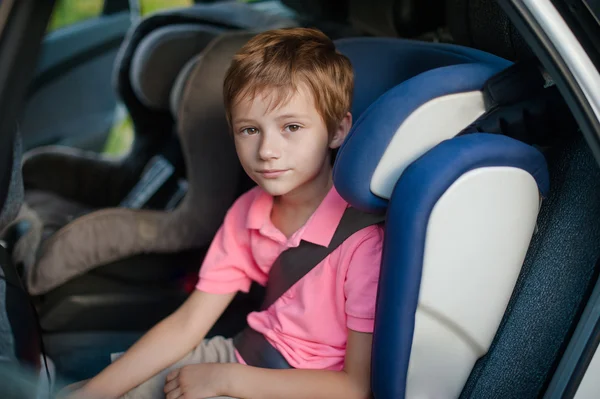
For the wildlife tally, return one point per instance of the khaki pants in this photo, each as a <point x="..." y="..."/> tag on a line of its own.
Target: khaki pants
<point x="214" y="350"/>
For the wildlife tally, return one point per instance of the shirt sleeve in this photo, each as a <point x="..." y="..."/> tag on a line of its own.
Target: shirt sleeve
<point x="362" y="279"/>
<point x="228" y="263"/>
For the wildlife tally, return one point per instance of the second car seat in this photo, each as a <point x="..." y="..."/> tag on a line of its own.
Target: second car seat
<point x="84" y="210"/>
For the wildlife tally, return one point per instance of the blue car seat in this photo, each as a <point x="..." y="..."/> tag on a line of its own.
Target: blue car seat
<point x="461" y="209"/>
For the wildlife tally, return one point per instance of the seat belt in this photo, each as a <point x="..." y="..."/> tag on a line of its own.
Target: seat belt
<point x="522" y="102"/>
<point x="287" y="270"/>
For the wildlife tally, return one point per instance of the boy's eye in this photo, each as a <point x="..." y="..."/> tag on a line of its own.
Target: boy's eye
<point x="249" y="131"/>
<point x="292" y="128"/>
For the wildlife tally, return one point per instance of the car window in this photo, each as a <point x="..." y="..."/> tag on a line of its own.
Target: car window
<point x="70" y="12"/>
<point x="150" y="6"/>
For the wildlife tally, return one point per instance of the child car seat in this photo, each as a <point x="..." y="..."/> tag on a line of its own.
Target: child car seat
<point x="518" y="358"/>
<point x="113" y="233"/>
<point x="72" y="219"/>
<point x="460" y="216"/>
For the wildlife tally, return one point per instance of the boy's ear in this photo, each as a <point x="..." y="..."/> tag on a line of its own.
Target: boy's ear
<point x="341" y="131"/>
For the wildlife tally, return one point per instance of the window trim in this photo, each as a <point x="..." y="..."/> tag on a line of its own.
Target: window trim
<point x="556" y="56"/>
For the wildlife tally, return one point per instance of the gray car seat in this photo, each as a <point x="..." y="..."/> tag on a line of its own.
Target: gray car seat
<point x="67" y="237"/>
<point x="189" y="226"/>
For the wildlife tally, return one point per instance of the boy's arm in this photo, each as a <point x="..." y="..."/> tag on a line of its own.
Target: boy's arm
<point x="163" y="345"/>
<point x="240" y="381"/>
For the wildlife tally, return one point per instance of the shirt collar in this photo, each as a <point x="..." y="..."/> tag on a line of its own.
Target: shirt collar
<point x="320" y="227"/>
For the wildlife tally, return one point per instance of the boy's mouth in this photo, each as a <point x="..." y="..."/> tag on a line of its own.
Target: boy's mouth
<point x="272" y="173"/>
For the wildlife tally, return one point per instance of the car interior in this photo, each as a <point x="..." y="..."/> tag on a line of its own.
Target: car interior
<point x="491" y="192"/>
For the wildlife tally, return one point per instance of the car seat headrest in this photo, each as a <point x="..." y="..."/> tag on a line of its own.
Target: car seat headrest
<point x="403" y="124"/>
<point x="382" y="63"/>
<point x="201" y="98"/>
<point x="159" y="58"/>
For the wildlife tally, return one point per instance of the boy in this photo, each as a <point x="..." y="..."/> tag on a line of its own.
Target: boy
<point x="287" y="97"/>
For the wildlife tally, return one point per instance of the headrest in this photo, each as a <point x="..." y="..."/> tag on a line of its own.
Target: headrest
<point x="382" y="63"/>
<point x="219" y="16"/>
<point x="201" y="98"/>
<point x="400" y="18"/>
<point x="402" y="125"/>
<point x="160" y="58"/>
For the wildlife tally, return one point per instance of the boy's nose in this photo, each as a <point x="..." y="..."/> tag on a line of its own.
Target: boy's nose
<point x="269" y="147"/>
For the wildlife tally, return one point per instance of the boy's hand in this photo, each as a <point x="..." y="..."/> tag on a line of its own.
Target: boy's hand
<point x="197" y="381"/>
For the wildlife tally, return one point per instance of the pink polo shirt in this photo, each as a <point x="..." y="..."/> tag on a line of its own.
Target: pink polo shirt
<point x="308" y="324"/>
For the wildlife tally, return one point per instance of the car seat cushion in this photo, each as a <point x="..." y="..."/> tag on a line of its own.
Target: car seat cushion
<point x="83" y="176"/>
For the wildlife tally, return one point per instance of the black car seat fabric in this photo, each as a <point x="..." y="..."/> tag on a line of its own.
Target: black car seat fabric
<point x="73" y="198"/>
<point x="483" y="25"/>
<point x="397" y="18"/>
<point x="556" y="274"/>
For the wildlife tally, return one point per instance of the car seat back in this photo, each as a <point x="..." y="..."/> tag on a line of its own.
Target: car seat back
<point x="460" y="214"/>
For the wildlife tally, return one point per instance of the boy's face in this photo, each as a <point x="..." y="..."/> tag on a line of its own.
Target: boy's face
<point x="285" y="148"/>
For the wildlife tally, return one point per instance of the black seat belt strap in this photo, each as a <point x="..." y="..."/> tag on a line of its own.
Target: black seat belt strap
<point x="287" y="270"/>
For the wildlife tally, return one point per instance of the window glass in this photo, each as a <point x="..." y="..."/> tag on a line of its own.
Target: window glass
<point x="69" y="12"/>
<point x="150" y="6"/>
